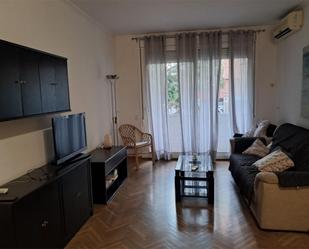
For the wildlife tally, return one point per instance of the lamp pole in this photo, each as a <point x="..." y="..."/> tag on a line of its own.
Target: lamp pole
<point x="112" y="80"/>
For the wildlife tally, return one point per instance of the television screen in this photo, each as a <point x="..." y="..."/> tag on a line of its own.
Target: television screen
<point x="69" y="136"/>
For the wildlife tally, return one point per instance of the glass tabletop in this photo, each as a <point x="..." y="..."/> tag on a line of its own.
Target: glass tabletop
<point x="199" y="163"/>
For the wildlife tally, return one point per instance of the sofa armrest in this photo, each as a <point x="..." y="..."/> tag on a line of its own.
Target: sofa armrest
<point x="240" y="144"/>
<point x="278" y="208"/>
<point x="267" y="177"/>
<point x="238" y="135"/>
<point x="293" y="178"/>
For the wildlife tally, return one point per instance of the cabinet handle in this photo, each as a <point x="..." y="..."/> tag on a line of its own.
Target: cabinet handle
<point x="53" y="83"/>
<point x="20" y="82"/>
<point x="44" y="224"/>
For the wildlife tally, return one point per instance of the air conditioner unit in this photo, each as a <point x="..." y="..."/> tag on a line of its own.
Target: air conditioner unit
<point x="289" y="25"/>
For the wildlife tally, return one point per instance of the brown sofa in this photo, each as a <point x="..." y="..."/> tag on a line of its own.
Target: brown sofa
<point x="278" y="201"/>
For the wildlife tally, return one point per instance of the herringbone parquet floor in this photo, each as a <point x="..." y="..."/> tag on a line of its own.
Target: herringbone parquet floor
<point x="144" y="215"/>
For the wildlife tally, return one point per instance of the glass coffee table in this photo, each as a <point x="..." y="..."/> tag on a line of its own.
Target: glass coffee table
<point x="194" y="177"/>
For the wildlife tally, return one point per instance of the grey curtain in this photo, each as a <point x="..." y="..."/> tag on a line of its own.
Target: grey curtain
<point x="199" y="67"/>
<point x="155" y="92"/>
<point x="187" y="54"/>
<point x="242" y="60"/>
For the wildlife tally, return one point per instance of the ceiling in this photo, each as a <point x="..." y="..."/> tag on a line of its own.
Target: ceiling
<point x="147" y="16"/>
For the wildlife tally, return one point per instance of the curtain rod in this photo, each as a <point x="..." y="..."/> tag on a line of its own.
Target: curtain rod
<point x="199" y="32"/>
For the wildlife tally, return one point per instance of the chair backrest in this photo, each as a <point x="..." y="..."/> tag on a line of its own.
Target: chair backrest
<point x="129" y="133"/>
<point x="127" y="130"/>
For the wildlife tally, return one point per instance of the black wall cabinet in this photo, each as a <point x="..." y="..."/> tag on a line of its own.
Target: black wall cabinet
<point x="31" y="82"/>
<point x="10" y="88"/>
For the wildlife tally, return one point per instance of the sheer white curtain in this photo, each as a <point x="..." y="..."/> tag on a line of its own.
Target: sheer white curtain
<point x="155" y="92"/>
<point x="186" y="50"/>
<point x="242" y="58"/>
<point x="199" y="68"/>
<point x="208" y="88"/>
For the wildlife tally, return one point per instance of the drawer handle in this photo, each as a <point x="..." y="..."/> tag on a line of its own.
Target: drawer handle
<point x="53" y="83"/>
<point x="44" y="224"/>
<point x="21" y="82"/>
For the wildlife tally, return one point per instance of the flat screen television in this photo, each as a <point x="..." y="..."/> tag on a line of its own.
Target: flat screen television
<point x="69" y="134"/>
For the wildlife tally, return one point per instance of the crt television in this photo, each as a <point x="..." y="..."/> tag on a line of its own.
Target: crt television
<point x="69" y="134"/>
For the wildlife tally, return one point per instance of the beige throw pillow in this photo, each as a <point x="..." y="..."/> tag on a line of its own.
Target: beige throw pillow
<point x="257" y="149"/>
<point x="276" y="161"/>
<point x="261" y="130"/>
<point x="250" y="132"/>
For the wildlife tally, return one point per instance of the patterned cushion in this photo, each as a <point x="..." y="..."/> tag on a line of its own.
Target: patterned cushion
<point x="276" y="161"/>
<point x="257" y="149"/>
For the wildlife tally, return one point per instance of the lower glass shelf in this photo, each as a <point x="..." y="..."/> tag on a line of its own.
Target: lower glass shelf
<point x="194" y="192"/>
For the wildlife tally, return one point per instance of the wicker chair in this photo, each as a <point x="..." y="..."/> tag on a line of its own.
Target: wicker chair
<point x="136" y="140"/>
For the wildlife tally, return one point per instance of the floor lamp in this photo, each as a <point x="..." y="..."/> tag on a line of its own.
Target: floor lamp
<point x="112" y="80"/>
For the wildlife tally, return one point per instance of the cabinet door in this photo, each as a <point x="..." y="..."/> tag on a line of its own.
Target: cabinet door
<point x="54" y="84"/>
<point x="7" y="230"/>
<point x="50" y="217"/>
<point x="77" y="200"/>
<point x="30" y="82"/>
<point x="10" y="89"/>
<point x="37" y="219"/>
<point x="48" y="83"/>
<point x="62" y="85"/>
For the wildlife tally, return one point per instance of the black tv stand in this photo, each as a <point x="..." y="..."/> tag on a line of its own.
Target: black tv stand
<point x="104" y="164"/>
<point x="46" y="212"/>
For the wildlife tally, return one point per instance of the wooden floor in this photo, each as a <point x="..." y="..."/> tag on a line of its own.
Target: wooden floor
<point x="144" y="215"/>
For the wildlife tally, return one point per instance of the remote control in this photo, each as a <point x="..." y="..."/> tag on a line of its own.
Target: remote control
<point x="194" y="168"/>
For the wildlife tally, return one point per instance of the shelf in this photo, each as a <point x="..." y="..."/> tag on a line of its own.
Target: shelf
<point x="104" y="164"/>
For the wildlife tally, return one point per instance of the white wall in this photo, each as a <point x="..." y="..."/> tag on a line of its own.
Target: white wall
<point x="266" y="78"/>
<point x="129" y="93"/>
<point x="57" y="27"/>
<point x="127" y="66"/>
<point x="290" y="63"/>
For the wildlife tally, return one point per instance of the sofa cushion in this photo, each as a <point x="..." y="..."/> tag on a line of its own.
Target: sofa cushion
<point x="258" y="148"/>
<point x="244" y="173"/>
<point x="270" y="130"/>
<point x="276" y="161"/>
<point x="242" y="160"/>
<point x="250" y="133"/>
<point x="261" y="130"/>
<point x="243" y="143"/>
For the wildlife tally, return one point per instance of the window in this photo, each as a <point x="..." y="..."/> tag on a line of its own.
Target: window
<point x="224" y="109"/>
<point x="223" y="98"/>
<point x="172" y="88"/>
